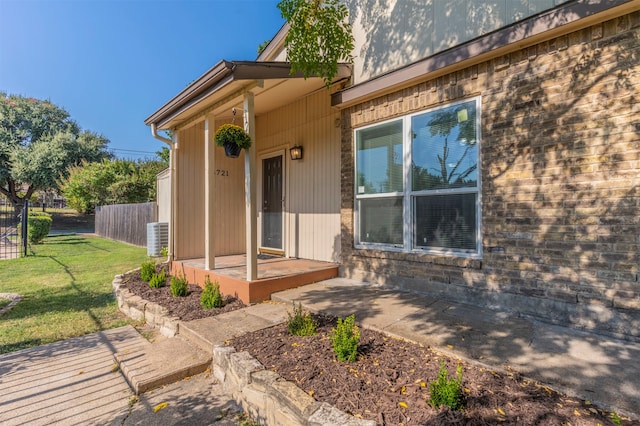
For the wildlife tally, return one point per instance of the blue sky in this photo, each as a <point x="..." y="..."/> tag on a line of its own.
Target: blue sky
<point x="112" y="63"/>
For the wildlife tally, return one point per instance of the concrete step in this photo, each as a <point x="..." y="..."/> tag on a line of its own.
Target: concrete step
<point x="147" y="366"/>
<point x="208" y="332"/>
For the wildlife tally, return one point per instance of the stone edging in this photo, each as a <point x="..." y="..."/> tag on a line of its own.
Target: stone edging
<point x="262" y="393"/>
<point x="14" y="297"/>
<point x="139" y="309"/>
<point x="265" y="395"/>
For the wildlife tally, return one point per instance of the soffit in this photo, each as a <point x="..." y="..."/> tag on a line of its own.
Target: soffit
<point x="223" y="88"/>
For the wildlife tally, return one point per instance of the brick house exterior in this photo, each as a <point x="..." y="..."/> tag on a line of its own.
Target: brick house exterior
<point x="559" y="165"/>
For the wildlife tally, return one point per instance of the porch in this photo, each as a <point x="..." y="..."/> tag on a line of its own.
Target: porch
<point x="274" y="274"/>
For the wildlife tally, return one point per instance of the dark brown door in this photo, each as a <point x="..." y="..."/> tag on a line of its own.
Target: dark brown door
<point x="272" y="202"/>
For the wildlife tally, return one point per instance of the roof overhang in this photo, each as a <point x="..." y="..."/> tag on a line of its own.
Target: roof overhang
<point x="223" y="86"/>
<point x="569" y="17"/>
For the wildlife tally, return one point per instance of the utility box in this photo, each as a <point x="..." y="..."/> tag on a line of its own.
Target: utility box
<point x="157" y="237"/>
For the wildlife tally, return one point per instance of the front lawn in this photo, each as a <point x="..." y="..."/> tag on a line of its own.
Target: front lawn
<point x="66" y="288"/>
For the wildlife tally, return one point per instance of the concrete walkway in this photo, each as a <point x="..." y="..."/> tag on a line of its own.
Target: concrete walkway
<point x="77" y="381"/>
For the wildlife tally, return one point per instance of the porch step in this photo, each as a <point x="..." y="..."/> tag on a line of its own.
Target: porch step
<point x="208" y="332"/>
<point x="147" y="366"/>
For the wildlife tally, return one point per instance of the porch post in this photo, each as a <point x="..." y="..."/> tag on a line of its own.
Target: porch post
<point x="209" y="192"/>
<point x="173" y="220"/>
<point x="250" y="189"/>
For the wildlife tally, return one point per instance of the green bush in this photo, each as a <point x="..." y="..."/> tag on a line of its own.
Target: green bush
<point x="300" y="322"/>
<point x="445" y="391"/>
<point x="211" y="297"/>
<point x="345" y="339"/>
<point x="39" y="225"/>
<point x="147" y="270"/>
<point x="158" y="280"/>
<point x="179" y="286"/>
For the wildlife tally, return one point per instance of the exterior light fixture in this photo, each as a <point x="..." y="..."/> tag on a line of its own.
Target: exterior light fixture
<point x="296" y="153"/>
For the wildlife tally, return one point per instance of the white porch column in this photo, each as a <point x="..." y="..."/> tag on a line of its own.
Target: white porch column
<point x="209" y="192"/>
<point x="173" y="220"/>
<point x="250" y="189"/>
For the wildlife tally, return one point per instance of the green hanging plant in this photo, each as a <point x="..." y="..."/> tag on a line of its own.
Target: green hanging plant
<point x="319" y="36"/>
<point x="232" y="134"/>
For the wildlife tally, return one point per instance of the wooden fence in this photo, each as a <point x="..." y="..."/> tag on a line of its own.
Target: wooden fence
<point x="125" y="222"/>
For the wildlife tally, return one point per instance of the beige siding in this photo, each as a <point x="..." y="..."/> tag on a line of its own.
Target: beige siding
<point x="229" y="211"/>
<point x="163" y="197"/>
<point x="405" y="31"/>
<point x="312" y="185"/>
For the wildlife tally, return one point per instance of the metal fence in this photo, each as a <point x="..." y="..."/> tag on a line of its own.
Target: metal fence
<point x="125" y="222"/>
<point x="12" y="227"/>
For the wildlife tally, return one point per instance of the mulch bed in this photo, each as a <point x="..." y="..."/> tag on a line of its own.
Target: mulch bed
<point x="388" y="372"/>
<point x="185" y="308"/>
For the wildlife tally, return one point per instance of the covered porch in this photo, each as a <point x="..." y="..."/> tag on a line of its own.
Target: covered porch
<point x="275" y="274"/>
<point x="227" y="214"/>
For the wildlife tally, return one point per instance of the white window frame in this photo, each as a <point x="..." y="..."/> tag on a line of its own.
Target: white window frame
<point x="408" y="195"/>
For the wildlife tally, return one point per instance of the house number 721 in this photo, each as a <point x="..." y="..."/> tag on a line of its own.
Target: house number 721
<point x="221" y="172"/>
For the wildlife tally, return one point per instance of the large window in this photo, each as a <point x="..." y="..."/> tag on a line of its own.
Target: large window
<point x="417" y="186"/>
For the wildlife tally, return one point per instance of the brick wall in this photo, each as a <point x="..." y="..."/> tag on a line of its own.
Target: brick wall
<point x="560" y="167"/>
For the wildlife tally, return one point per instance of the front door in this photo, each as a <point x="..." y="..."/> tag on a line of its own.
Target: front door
<point x="272" y="202"/>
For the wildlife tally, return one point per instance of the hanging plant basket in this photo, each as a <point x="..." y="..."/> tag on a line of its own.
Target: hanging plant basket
<point x="233" y="138"/>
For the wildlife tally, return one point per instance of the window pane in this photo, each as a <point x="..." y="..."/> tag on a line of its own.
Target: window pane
<point x="381" y="220"/>
<point x="444" y="148"/>
<point x="445" y="221"/>
<point x="379" y="159"/>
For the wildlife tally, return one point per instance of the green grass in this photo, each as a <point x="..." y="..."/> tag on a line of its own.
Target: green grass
<point x="66" y="289"/>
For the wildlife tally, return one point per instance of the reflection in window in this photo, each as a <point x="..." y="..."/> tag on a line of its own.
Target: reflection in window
<point x="379" y="159"/>
<point x="444" y="148"/>
<point x="428" y="200"/>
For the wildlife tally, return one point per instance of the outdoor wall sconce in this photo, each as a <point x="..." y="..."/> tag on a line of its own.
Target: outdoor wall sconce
<point x="296" y="153"/>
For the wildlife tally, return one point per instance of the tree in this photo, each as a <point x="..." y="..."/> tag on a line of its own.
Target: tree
<point x="319" y="36"/>
<point x="164" y="154"/>
<point x="38" y="142"/>
<point x="110" y="182"/>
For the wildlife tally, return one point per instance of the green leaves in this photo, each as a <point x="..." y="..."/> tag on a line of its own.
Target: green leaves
<point x="111" y="182"/>
<point x="319" y="37"/>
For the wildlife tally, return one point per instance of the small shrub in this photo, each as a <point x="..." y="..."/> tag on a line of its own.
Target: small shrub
<point x="158" y="280"/>
<point x="38" y="225"/>
<point x="445" y="391"/>
<point x="179" y="286"/>
<point x="147" y="269"/>
<point x="211" y="297"/>
<point x="300" y="322"/>
<point x="345" y="339"/>
<point x="164" y="251"/>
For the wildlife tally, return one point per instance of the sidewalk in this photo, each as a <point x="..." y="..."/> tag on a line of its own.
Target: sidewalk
<point x="593" y="367"/>
<point x="75" y="382"/>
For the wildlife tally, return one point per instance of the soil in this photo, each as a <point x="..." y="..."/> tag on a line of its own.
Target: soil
<point x="389" y="381"/>
<point x="185" y="308"/>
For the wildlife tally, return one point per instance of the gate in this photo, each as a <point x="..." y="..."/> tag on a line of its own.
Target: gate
<point x="12" y="228"/>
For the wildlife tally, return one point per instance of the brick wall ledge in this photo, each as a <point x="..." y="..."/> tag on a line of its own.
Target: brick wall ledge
<point x="416" y="257"/>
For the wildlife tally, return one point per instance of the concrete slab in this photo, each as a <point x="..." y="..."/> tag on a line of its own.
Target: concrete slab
<point x="196" y="400"/>
<point x="207" y="332"/>
<point x="148" y="366"/>
<point x="69" y="382"/>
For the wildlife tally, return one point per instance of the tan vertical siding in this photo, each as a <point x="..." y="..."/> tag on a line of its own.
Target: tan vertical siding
<point x="312" y="185"/>
<point x="190" y="193"/>
<point x="230" y="207"/>
<point x="229" y="210"/>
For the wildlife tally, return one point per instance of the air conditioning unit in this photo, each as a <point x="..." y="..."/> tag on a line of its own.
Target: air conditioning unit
<point x="157" y="237"/>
